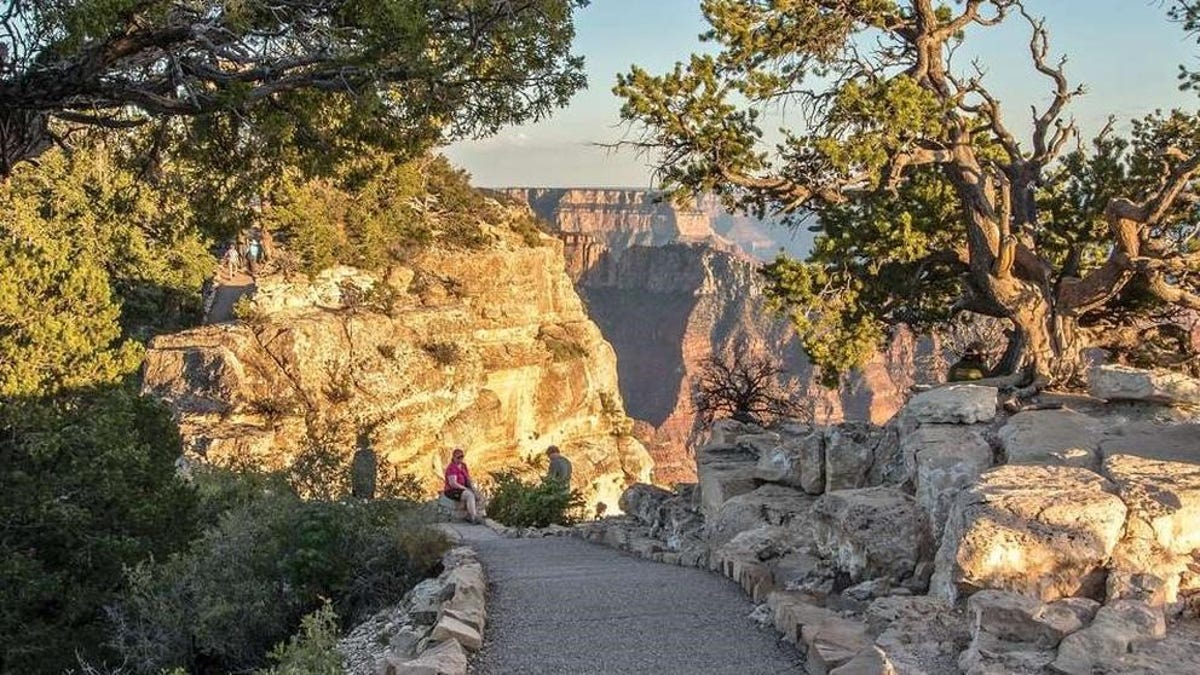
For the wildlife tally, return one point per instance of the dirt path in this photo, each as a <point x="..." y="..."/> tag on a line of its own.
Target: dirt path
<point x="229" y="290"/>
<point x="561" y="605"/>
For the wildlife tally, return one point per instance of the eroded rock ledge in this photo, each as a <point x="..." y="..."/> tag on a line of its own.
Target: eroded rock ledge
<point x="489" y="350"/>
<point x="953" y="539"/>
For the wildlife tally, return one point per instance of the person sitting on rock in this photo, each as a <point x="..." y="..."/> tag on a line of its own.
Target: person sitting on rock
<point x="972" y="365"/>
<point x="459" y="485"/>
<point x="560" y="467"/>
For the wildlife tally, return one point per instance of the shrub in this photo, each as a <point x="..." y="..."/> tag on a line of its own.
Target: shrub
<point x="445" y="353"/>
<point x="519" y="503"/>
<point x="244" y="585"/>
<point x="88" y="489"/>
<point x="313" y="650"/>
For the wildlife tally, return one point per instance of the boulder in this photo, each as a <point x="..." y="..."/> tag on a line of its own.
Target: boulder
<point x="1021" y="619"/>
<point x="767" y="505"/>
<point x="871" y="532"/>
<point x="721" y="482"/>
<point x="1171" y="442"/>
<point x="1162" y="531"/>
<point x="870" y="661"/>
<point x="444" y="658"/>
<point x="784" y="463"/>
<point x="947" y="459"/>
<point x="953" y="404"/>
<point x="832" y="643"/>
<point x="642" y="501"/>
<point x="917" y="633"/>
<point x="850" y="453"/>
<point x="1059" y="437"/>
<point x="1123" y="383"/>
<point x="1042" y="531"/>
<point x="1116" y="628"/>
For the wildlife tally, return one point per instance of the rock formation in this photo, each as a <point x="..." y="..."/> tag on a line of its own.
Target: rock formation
<point x="489" y="350"/>
<point x="671" y="287"/>
<point x="621" y="219"/>
<point x="956" y="538"/>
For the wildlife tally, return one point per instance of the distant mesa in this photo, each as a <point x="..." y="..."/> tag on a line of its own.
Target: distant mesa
<point x="621" y="218"/>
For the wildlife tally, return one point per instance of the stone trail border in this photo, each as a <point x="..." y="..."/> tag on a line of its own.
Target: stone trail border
<point x="560" y="605"/>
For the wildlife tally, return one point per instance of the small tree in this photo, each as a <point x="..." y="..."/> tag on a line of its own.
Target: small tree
<point x="746" y="389"/>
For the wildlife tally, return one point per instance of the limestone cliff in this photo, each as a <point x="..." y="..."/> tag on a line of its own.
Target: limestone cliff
<point x="624" y="218"/>
<point x="666" y="309"/>
<point x="490" y="350"/>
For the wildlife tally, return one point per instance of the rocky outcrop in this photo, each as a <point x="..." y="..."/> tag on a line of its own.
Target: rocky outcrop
<point x="1122" y="383"/>
<point x="1067" y="537"/>
<point x="490" y="351"/>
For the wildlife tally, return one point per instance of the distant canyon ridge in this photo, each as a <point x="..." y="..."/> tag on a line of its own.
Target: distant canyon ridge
<point x="672" y="286"/>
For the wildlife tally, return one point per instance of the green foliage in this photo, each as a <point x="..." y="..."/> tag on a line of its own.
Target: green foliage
<point x="90" y="257"/>
<point x="89" y="489"/>
<point x="521" y="503"/>
<point x="908" y="173"/>
<point x="312" y="84"/>
<point x="312" y="651"/>
<point x="375" y="210"/>
<point x="246" y="583"/>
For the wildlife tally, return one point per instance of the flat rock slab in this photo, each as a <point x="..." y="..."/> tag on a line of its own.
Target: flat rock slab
<point x="561" y="605"/>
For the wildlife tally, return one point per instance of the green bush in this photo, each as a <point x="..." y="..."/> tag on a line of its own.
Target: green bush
<point x="520" y="503"/>
<point x="245" y="584"/>
<point x="312" y="651"/>
<point x="87" y="488"/>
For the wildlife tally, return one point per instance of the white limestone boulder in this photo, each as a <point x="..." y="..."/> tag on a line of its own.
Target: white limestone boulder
<point x="1123" y="383"/>
<point x="1042" y="531"/>
<point x="871" y="532"/>
<point x="947" y="459"/>
<point x="766" y="505"/>
<point x="1059" y="437"/>
<point x="850" y="453"/>
<point x="1167" y="442"/>
<point x="1162" y="531"/>
<point x="953" y="404"/>
<point x="784" y="462"/>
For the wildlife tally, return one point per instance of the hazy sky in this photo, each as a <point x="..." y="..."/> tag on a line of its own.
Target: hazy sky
<point x="1124" y="51"/>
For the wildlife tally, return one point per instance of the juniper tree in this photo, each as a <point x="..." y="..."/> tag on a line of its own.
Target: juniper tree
<point x="398" y="73"/>
<point x="928" y="202"/>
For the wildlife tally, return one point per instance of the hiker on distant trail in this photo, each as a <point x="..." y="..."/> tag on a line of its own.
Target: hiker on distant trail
<point x="459" y="485"/>
<point x="232" y="260"/>
<point x="253" y="254"/>
<point x="560" y="467"/>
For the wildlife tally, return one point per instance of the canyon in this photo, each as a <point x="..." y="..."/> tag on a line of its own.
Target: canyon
<point x="671" y="287"/>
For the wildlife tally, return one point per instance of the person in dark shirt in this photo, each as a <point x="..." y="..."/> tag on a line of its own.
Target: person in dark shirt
<point x="560" y="467"/>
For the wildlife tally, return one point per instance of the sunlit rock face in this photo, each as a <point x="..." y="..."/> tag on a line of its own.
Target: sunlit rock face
<point x="487" y="350"/>
<point x="671" y="287"/>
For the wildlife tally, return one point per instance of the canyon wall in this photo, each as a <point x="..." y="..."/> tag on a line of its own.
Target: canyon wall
<point x="672" y="287"/>
<point x="488" y="350"/>
<point x="622" y="218"/>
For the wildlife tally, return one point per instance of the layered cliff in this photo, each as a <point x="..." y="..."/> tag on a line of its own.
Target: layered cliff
<point x="667" y="309"/>
<point x="623" y="218"/>
<point x="489" y="350"/>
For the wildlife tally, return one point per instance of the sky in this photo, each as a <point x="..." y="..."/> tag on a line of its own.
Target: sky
<point x="1124" y="51"/>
